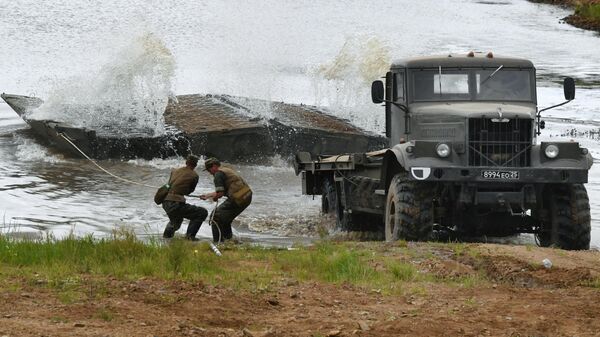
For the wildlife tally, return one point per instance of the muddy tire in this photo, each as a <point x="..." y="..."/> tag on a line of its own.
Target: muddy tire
<point x="328" y="197"/>
<point x="343" y="220"/>
<point x="409" y="210"/>
<point x="347" y="220"/>
<point x="355" y="222"/>
<point x="331" y="203"/>
<point x="568" y="226"/>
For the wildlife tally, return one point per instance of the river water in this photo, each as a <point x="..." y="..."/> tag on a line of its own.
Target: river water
<point x="321" y="53"/>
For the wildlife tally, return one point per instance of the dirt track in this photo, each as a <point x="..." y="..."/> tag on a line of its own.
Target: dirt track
<point x="518" y="297"/>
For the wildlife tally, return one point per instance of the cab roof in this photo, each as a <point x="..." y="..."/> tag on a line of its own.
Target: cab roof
<point x="469" y="60"/>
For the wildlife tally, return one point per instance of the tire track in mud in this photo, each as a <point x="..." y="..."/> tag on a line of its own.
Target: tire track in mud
<point x="498" y="265"/>
<point x="509" y="270"/>
<point x="519" y="273"/>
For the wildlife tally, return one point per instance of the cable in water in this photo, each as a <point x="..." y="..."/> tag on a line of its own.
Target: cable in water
<point x="100" y="167"/>
<point x="211" y="221"/>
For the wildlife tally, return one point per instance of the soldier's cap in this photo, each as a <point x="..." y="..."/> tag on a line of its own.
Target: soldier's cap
<point x="192" y="159"/>
<point x="208" y="163"/>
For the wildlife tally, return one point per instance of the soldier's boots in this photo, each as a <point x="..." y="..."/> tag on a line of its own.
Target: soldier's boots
<point x="172" y="228"/>
<point x="192" y="229"/>
<point x="169" y="231"/>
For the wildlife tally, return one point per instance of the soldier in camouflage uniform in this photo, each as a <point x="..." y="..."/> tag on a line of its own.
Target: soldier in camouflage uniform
<point x="183" y="181"/>
<point x="239" y="196"/>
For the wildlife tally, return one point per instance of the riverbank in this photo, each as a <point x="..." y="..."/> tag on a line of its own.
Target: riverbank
<point x="586" y="13"/>
<point x="122" y="287"/>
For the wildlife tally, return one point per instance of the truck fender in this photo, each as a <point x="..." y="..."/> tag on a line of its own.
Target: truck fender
<point x="582" y="161"/>
<point x="589" y="160"/>
<point x="394" y="161"/>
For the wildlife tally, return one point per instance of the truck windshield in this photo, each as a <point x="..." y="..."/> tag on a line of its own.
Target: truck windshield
<point x="494" y="84"/>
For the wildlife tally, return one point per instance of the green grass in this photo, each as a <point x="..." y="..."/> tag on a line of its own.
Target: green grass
<point x="459" y="248"/>
<point x="67" y="264"/>
<point x="327" y="262"/>
<point x="595" y="283"/>
<point x="402" y="271"/>
<point x="105" y="314"/>
<point x="588" y="10"/>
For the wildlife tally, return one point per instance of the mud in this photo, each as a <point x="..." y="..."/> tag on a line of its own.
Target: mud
<point x="519" y="298"/>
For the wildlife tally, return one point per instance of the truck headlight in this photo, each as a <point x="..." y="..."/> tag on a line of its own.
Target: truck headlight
<point x="443" y="150"/>
<point x="551" y="151"/>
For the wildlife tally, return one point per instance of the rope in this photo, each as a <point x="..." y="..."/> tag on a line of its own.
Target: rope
<point x="340" y="172"/>
<point x="212" y="215"/>
<point x="102" y="168"/>
<point x="212" y="222"/>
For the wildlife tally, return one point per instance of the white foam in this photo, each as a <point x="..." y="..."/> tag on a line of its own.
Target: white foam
<point x="30" y="151"/>
<point x="158" y="163"/>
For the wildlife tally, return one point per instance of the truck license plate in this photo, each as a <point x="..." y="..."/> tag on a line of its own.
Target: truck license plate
<point x="501" y="175"/>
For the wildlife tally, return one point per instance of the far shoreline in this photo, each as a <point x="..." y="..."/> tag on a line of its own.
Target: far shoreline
<point x="586" y="13"/>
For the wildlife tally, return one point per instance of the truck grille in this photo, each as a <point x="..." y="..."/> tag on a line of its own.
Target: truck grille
<point x="502" y="144"/>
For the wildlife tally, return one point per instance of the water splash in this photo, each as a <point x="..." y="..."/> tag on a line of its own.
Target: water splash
<point x="344" y="83"/>
<point x="30" y="151"/>
<point x="363" y="58"/>
<point x="158" y="163"/>
<point x="130" y="93"/>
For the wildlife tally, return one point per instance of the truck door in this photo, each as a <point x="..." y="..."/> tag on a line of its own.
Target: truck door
<point x="395" y="123"/>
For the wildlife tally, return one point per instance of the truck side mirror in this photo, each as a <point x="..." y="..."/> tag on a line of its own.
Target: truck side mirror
<point x="377" y="92"/>
<point x="569" y="86"/>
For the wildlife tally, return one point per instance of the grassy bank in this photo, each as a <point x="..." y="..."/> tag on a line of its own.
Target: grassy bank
<point x="122" y="286"/>
<point x="58" y="262"/>
<point x="589" y="10"/>
<point x="389" y="268"/>
<point x="586" y="12"/>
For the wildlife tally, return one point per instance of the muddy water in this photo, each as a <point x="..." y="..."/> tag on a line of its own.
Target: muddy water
<point x="295" y="51"/>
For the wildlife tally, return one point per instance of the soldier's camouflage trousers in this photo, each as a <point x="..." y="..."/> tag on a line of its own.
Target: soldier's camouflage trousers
<point x="177" y="211"/>
<point x="223" y="216"/>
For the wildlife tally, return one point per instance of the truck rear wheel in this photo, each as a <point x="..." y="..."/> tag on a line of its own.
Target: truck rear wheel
<point x="331" y="205"/>
<point x="347" y="218"/>
<point x="409" y="210"/>
<point x="568" y="226"/>
<point x="359" y="222"/>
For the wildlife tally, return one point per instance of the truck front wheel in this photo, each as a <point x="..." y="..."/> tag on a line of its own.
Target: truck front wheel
<point x="568" y="226"/>
<point x="409" y="210"/>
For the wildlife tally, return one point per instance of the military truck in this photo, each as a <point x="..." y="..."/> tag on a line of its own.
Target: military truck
<point x="464" y="158"/>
